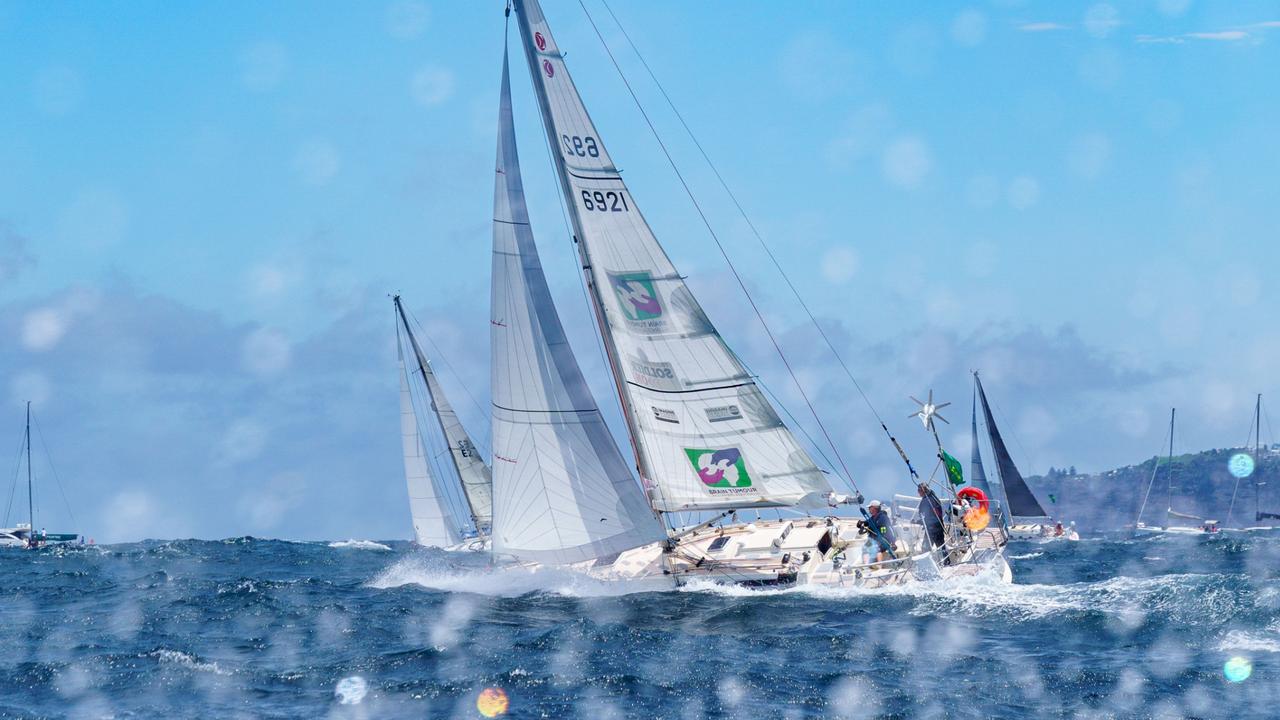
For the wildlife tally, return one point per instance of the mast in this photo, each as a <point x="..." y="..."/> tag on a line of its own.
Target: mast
<point x="1173" y="412"/>
<point x="527" y="41"/>
<point x="1257" y="458"/>
<point x="476" y="521"/>
<point x="31" y="512"/>
<point x="977" y="473"/>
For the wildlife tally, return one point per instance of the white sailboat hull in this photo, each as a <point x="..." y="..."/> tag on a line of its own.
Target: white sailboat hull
<point x="804" y="551"/>
<point x="1040" y="531"/>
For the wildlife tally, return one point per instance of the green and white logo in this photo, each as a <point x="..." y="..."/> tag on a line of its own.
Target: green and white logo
<point x="636" y="296"/>
<point x="722" y="468"/>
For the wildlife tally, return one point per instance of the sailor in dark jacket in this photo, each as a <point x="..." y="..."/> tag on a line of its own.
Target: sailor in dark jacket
<point x="930" y="513"/>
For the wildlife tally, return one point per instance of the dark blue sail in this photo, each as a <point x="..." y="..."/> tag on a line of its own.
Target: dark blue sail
<point x="1022" y="502"/>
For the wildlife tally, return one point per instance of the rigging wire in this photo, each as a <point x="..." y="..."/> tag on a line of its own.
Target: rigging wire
<point x="13" y="488"/>
<point x="723" y="252"/>
<point x="53" y="470"/>
<point x="759" y="237"/>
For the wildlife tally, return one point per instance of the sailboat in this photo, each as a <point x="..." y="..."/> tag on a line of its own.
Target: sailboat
<point x="24" y="535"/>
<point x="1174" y="522"/>
<point x="434" y="523"/>
<point x="1250" y="465"/>
<point x="704" y="437"/>
<point x="1024" y="516"/>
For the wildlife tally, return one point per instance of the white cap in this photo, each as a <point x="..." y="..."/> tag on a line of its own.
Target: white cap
<point x="874" y="503"/>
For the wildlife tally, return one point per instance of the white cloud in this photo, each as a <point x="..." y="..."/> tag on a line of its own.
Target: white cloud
<point x="431" y="85"/>
<point x="1227" y="35"/>
<point x="1101" y="20"/>
<point x="42" y="328"/>
<point x="839" y="265"/>
<point x="1042" y="26"/>
<point x="907" y="162"/>
<point x="131" y="513"/>
<point x="317" y="161"/>
<point x="407" y="19"/>
<point x="263" y="66"/>
<point x="265" y="351"/>
<point x="1173" y="8"/>
<point x="969" y="28"/>
<point x="1023" y="192"/>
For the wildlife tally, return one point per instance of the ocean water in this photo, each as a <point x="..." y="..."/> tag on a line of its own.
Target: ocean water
<point x="1165" y="627"/>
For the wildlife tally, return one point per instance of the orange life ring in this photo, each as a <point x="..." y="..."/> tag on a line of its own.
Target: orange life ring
<point x="973" y="493"/>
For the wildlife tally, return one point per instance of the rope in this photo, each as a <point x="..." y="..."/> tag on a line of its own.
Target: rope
<point x="13" y="488"/>
<point x="723" y="253"/>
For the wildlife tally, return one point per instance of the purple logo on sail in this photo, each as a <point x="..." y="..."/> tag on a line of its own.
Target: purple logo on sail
<point x="721" y="468"/>
<point x="540" y="41"/>
<point x="546" y="68"/>
<point x="636" y="295"/>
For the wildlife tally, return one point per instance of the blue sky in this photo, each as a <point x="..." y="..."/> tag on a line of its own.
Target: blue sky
<point x="202" y="210"/>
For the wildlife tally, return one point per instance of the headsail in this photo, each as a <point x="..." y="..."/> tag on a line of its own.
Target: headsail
<point x="706" y="437"/>
<point x="477" y="481"/>
<point x="1022" y="502"/>
<point x="562" y="490"/>
<point x="433" y="524"/>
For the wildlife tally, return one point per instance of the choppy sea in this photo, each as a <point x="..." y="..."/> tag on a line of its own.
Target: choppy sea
<point x="1164" y="627"/>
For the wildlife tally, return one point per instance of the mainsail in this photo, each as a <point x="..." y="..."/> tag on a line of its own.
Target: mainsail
<point x="705" y="435"/>
<point x="562" y="490"/>
<point x="433" y="524"/>
<point x="477" y="481"/>
<point x="1022" y="502"/>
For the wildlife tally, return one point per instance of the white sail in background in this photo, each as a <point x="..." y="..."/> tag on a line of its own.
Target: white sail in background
<point x="477" y="482"/>
<point x="433" y="524"/>
<point x="706" y="435"/>
<point x="562" y="491"/>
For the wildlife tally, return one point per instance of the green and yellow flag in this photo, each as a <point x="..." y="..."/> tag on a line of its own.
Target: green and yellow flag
<point x="954" y="472"/>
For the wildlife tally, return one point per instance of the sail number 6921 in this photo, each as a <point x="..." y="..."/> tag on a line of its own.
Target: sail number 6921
<point x="605" y="201"/>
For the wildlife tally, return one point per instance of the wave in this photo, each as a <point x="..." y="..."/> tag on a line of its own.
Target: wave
<point x="177" y="657"/>
<point x="359" y="545"/>
<point x="1027" y="556"/>
<point x="500" y="580"/>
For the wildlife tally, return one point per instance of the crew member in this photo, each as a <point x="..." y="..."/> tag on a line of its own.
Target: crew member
<point x="930" y="513"/>
<point x="881" y="530"/>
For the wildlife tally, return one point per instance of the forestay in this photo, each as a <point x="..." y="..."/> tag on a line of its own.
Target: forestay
<point x="1022" y="502"/>
<point x="433" y="524"/>
<point x="562" y="490"/>
<point x="705" y="435"/>
<point x="477" y="481"/>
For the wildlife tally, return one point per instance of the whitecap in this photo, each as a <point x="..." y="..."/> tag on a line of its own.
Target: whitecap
<point x="177" y="657"/>
<point x="359" y="545"/>
<point x="1027" y="556"/>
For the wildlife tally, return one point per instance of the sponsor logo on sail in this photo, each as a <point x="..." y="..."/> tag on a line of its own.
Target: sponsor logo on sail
<point x="546" y="68"/>
<point x="721" y="471"/>
<point x="636" y="296"/>
<point x="540" y="41"/>
<point x="724" y="412"/>
<point x="655" y="375"/>
<point x="664" y="414"/>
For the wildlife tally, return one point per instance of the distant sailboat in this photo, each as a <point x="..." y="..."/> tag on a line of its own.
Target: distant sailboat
<point x="25" y="535"/>
<point x="434" y="524"/>
<point x="1253" y="468"/>
<point x="1025" y="516"/>
<point x="1171" y="516"/>
<point x="705" y="438"/>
